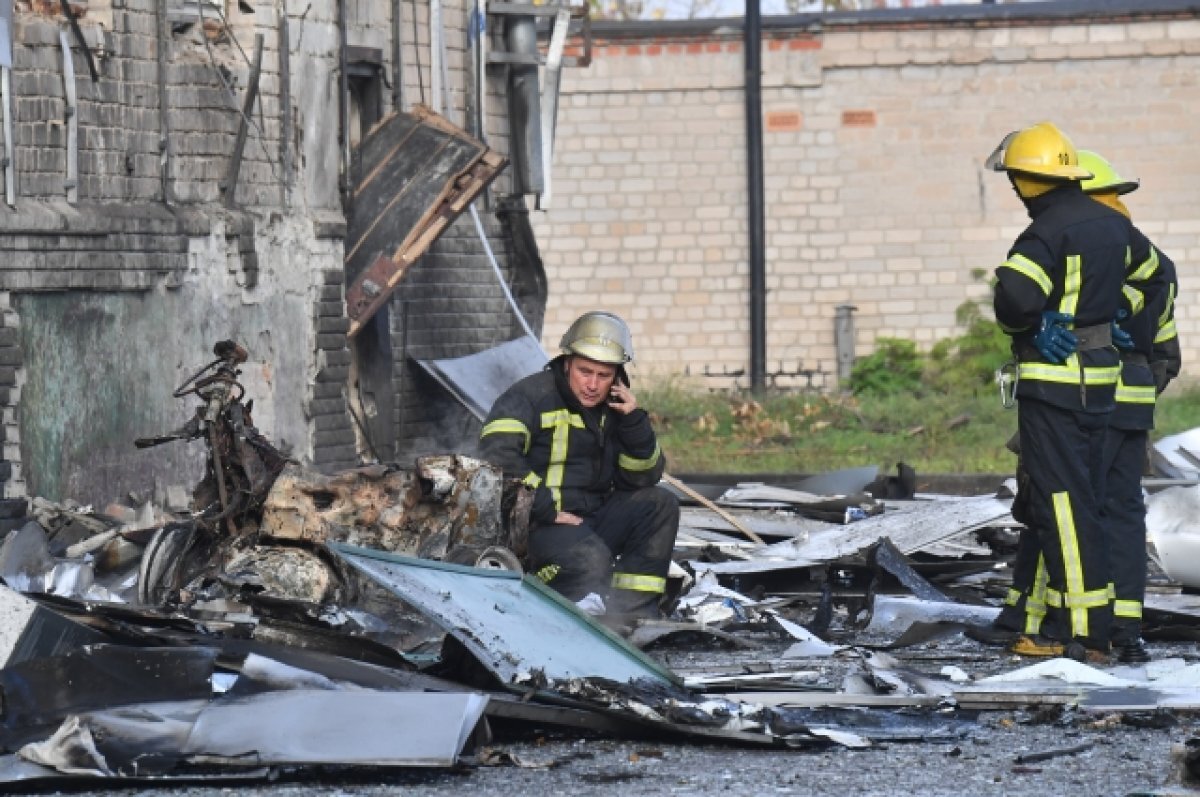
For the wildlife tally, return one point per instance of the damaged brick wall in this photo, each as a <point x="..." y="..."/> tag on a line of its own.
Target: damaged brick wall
<point x="448" y="306"/>
<point x="154" y="244"/>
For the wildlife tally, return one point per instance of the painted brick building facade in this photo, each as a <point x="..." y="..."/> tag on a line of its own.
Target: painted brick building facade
<point x="876" y="127"/>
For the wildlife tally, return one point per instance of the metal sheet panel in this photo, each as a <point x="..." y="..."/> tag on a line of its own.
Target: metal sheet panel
<point x="515" y="626"/>
<point x="339" y="727"/>
<point x="477" y="380"/>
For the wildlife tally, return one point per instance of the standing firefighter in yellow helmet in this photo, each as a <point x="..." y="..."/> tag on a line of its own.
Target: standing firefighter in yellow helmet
<point x="576" y="434"/>
<point x="1066" y="279"/>
<point x="1149" y="360"/>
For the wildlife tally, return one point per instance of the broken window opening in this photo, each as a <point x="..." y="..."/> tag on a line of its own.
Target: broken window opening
<point x="365" y="84"/>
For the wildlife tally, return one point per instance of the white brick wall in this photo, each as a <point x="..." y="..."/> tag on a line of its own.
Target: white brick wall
<point x="890" y="216"/>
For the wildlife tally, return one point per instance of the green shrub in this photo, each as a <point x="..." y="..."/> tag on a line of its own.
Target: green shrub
<point x="894" y="367"/>
<point x="969" y="361"/>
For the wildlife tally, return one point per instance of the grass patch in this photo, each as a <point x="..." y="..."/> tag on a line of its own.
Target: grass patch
<point x="936" y="432"/>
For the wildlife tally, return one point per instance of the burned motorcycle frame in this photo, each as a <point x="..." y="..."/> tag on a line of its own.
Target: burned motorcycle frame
<point x="260" y="520"/>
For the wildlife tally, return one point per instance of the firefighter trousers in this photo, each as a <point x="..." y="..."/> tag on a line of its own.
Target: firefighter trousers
<point x="1124" y="520"/>
<point x="622" y="552"/>
<point x="1025" y="604"/>
<point x="1062" y="451"/>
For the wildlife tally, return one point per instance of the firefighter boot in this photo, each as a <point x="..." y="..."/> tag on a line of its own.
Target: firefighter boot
<point x="1077" y="651"/>
<point x="993" y="633"/>
<point x="1037" y="646"/>
<point x="628" y="608"/>
<point x="631" y="605"/>
<point x="1132" y="652"/>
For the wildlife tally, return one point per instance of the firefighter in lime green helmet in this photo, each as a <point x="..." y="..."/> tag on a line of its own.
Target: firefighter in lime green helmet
<point x="1105" y="185"/>
<point x="1148" y="362"/>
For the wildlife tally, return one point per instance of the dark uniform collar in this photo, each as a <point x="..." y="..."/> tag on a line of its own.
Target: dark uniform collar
<point x="1039" y="204"/>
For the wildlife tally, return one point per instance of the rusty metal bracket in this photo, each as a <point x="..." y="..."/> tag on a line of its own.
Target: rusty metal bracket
<point x="581" y="13"/>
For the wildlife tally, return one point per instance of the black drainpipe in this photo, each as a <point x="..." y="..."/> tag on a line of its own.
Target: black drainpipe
<point x="752" y="30"/>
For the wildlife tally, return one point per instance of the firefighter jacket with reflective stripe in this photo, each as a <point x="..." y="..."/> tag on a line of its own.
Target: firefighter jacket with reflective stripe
<point x="574" y="457"/>
<point x="1078" y="257"/>
<point x="1136" y="387"/>
<point x="1165" y="357"/>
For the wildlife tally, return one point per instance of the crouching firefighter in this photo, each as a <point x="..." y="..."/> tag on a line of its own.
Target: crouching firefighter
<point x="575" y="433"/>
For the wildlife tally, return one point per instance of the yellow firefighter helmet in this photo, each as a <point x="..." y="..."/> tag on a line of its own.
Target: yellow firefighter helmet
<point x="1042" y="151"/>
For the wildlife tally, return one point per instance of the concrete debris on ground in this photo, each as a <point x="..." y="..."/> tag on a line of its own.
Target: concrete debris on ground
<point x="379" y="618"/>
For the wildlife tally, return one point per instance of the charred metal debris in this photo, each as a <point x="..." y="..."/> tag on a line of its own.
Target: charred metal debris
<point x="379" y="617"/>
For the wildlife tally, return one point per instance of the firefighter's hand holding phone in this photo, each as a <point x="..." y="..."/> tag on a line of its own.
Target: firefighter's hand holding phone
<point x="621" y="399"/>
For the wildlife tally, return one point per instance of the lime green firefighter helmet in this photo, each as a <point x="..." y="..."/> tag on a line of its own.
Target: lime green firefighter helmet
<point x="1105" y="179"/>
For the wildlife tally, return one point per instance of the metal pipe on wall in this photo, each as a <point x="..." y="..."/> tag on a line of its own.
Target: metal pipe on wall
<point x="397" y="57"/>
<point x="752" y="30"/>
<point x="524" y="104"/>
<point x="843" y="339"/>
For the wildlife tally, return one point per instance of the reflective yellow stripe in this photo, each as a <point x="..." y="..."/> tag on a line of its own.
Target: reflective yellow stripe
<point x="1130" y="609"/>
<point x="561" y="422"/>
<point x="1166" y="332"/>
<point x="1023" y="265"/>
<point x="1013" y="597"/>
<point x="1035" y="604"/>
<point x="1068" y="542"/>
<point x="638" y="583"/>
<point x="1068" y="373"/>
<point x="1147" y="267"/>
<point x="1087" y="600"/>
<point x="547" y="573"/>
<point x="508" y="426"/>
<point x="532" y="480"/>
<point x="633" y="463"/>
<point x="1072" y="281"/>
<point x="1166" y="321"/>
<point x="1135" y="394"/>
<point x="1137" y="299"/>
